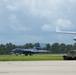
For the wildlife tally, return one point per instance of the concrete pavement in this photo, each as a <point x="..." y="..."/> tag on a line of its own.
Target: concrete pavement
<point x="38" y="68"/>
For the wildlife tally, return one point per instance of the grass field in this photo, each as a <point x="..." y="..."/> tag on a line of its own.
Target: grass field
<point x="30" y="58"/>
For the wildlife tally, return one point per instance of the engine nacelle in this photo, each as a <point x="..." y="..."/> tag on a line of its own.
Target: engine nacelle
<point x="74" y="39"/>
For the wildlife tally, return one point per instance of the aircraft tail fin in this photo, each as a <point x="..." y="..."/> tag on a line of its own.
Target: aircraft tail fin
<point x="37" y="48"/>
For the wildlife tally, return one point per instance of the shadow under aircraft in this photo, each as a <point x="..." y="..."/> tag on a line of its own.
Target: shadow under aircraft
<point x="28" y="52"/>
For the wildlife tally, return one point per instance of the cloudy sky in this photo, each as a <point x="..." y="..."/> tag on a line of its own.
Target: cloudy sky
<point x="25" y="21"/>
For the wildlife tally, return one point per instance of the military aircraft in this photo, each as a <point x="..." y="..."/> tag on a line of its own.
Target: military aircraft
<point x="27" y="52"/>
<point x="66" y="32"/>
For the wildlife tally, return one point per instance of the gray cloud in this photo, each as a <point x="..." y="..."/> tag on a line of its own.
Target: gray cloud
<point x="36" y="18"/>
<point x="15" y="24"/>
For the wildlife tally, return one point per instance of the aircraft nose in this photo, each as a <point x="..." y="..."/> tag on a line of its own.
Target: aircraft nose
<point x="74" y="39"/>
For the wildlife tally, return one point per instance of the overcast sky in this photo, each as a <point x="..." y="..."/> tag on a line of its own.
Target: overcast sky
<point x="31" y="21"/>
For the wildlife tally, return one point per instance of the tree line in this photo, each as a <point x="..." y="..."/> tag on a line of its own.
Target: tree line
<point x="55" y="48"/>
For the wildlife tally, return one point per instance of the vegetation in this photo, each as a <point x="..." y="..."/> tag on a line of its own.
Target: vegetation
<point x="30" y="58"/>
<point x="55" y="48"/>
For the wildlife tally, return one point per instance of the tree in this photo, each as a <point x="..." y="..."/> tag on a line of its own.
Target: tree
<point x="55" y="48"/>
<point x="9" y="47"/>
<point x="62" y="48"/>
<point x="48" y="46"/>
<point x="74" y="46"/>
<point x="69" y="47"/>
<point x="2" y="49"/>
<point x="28" y="45"/>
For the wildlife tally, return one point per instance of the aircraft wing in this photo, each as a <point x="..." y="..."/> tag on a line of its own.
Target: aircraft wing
<point x="65" y="32"/>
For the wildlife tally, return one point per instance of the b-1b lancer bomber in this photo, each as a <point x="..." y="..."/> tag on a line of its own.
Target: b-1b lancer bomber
<point x="27" y="52"/>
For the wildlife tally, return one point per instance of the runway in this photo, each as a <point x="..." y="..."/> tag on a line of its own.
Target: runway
<point x="38" y="68"/>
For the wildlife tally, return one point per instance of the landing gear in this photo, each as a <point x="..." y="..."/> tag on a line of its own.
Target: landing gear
<point x="28" y="54"/>
<point x="16" y="54"/>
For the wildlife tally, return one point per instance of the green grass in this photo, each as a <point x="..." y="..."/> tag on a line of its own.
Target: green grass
<point x="30" y="58"/>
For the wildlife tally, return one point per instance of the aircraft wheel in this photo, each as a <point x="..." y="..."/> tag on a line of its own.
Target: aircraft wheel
<point x="26" y="54"/>
<point x="16" y="54"/>
<point x="64" y="57"/>
<point x="30" y="54"/>
<point x="74" y="58"/>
